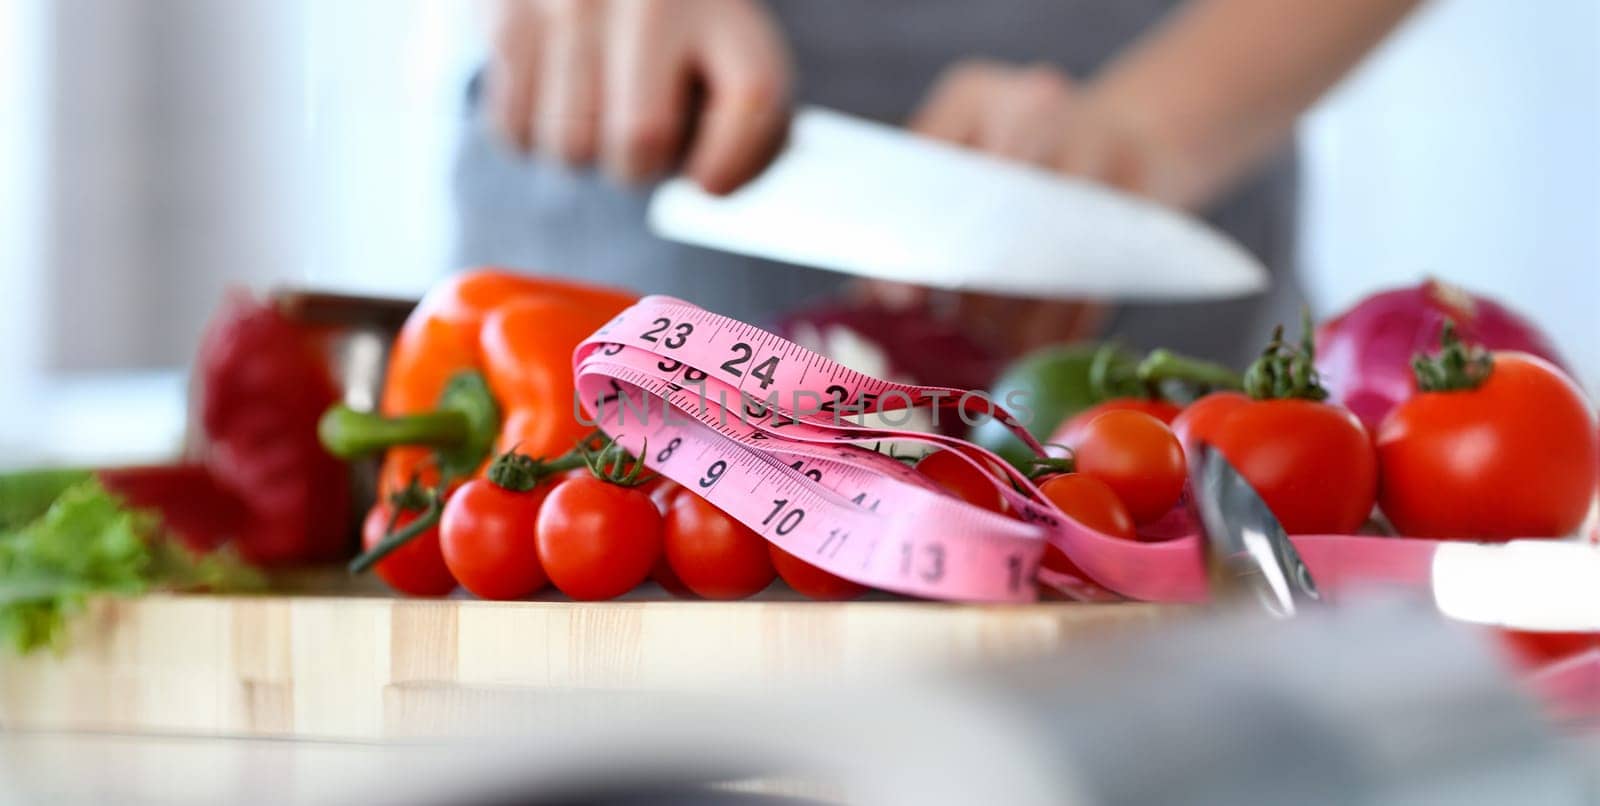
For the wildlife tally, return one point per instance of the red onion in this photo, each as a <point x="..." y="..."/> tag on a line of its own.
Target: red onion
<point x="912" y="345"/>
<point x="1364" y="355"/>
<point x="909" y="344"/>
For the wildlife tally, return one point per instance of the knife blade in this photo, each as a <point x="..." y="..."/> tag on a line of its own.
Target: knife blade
<point x="867" y="199"/>
<point x="1533" y="585"/>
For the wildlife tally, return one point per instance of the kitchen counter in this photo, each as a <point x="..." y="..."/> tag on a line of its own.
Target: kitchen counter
<point x="361" y="665"/>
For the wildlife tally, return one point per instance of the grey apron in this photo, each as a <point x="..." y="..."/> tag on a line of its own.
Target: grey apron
<point x="874" y="59"/>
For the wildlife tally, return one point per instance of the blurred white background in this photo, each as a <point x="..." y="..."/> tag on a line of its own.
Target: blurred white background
<point x="153" y="153"/>
<point x="1468" y="148"/>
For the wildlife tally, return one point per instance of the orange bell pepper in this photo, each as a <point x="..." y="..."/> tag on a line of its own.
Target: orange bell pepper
<point x="483" y="364"/>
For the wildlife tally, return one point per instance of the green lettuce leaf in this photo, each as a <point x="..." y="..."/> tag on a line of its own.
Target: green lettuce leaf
<point x="87" y="543"/>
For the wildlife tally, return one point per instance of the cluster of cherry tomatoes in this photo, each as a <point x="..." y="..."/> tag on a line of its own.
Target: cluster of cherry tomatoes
<point x="594" y="533"/>
<point x="1127" y="470"/>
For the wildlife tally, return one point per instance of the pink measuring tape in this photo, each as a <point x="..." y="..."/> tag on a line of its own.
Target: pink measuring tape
<point x="767" y="431"/>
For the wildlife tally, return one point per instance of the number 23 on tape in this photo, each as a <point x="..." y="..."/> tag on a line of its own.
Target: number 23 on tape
<point x="757" y="425"/>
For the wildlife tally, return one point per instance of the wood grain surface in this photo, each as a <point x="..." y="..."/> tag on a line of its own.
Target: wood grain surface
<point x="369" y="667"/>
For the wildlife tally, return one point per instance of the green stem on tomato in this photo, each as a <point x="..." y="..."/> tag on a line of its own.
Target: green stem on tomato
<point x="1163" y="365"/>
<point x="511" y="470"/>
<point x="1285" y="371"/>
<point x="1042" y="466"/>
<point x="519" y="472"/>
<point x="1457" y="367"/>
<point x="1112" y="373"/>
<point x="611" y="464"/>
<point x="394" y="540"/>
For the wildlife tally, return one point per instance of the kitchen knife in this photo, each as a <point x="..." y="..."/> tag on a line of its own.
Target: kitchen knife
<point x="872" y="200"/>
<point x="1534" y="585"/>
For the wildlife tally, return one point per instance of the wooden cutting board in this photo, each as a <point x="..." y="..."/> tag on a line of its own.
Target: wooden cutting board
<point x="371" y="666"/>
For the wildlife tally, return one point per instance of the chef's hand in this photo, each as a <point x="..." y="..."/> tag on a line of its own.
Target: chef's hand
<point x="1039" y="115"/>
<point x="1036" y="115"/>
<point x="635" y="83"/>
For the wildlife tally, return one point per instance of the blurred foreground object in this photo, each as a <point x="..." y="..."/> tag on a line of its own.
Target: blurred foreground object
<point x="1378" y="703"/>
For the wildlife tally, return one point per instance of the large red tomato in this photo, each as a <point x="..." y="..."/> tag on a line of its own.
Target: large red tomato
<point x="1203" y="415"/>
<point x="1514" y="457"/>
<point x="1311" y="462"/>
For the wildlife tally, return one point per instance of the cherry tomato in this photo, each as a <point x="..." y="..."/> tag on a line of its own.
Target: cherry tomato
<point x="966" y="482"/>
<point x="1534" y="649"/>
<point x="597" y="540"/>
<point x="1088" y="501"/>
<point x="661" y="492"/>
<point x="1311" y="462"/>
<point x="1514" y="457"/>
<point x="1069" y="432"/>
<point x="714" y="555"/>
<point x="416" y="568"/>
<point x="487" y="534"/>
<point x="810" y="581"/>
<point x="1138" y="457"/>
<point x="663" y="575"/>
<point x="1202" y="416"/>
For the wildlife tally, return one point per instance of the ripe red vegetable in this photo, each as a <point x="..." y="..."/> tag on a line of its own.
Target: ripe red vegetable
<point x="487" y="532"/>
<point x="662" y="495"/>
<point x="1495" y="447"/>
<point x="1072" y="430"/>
<point x="600" y="535"/>
<point x="1532" y="650"/>
<point x="810" y="581"/>
<point x="1364" y="355"/>
<point x="950" y="471"/>
<point x="1138" y="457"/>
<point x="913" y="343"/>
<point x="1090" y="502"/>
<point x="1310" y="461"/>
<point x="256" y="477"/>
<point x="662" y="574"/>
<point x="1203" y="415"/>
<point x="417" y="567"/>
<point x="712" y="554"/>
<point x="662" y="492"/>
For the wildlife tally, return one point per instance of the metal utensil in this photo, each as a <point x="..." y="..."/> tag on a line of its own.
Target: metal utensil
<point x="1248" y="554"/>
<point x="1535" y="585"/>
<point x="858" y="197"/>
